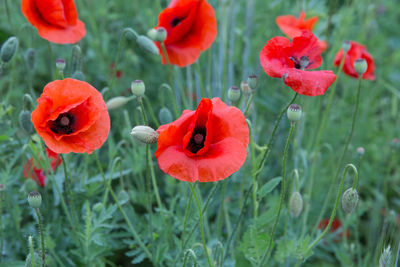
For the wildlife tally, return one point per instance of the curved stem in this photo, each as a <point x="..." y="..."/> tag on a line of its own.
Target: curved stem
<point x="40" y="222"/>
<point x="282" y="196"/>
<point x="145" y="120"/>
<point x="210" y="263"/>
<point x="248" y="104"/>
<point x="175" y="104"/>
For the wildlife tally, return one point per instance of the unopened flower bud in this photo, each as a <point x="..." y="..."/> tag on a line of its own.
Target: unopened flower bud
<point x="78" y="75"/>
<point x="165" y="116"/>
<point x="30" y="58"/>
<point x="346" y="46"/>
<point x="360" y="151"/>
<point x="138" y="88"/>
<point x="158" y="35"/>
<point x="295" y="204"/>
<point x="234" y="93"/>
<point x="117" y="102"/>
<point x="245" y="87"/>
<point x="98" y="207"/>
<point x="60" y="64"/>
<point x="152" y="34"/>
<point x="147" y="44"/>
<point x="8" y="49"/>
<point x="2" y="187"/>
<point x="386" y="257"/>
<point x="34" y="199"/>
<point x="349" y="200"/>
<point x="145" y="134"/>
<point x="360" y="65"/>
<point x="252" y="80"/>
<point x="25" y="122"/>
<point x="294" y="112"/>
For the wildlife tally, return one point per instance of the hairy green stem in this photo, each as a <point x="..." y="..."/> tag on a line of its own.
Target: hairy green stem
<point x="40" y="222"/>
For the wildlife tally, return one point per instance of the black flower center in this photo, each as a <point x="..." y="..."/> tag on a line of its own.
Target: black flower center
<point x="64" y="124"/>
<point x="301" y="63"/>
<point x="197" y="139"/>
<point x="176" y="21"/>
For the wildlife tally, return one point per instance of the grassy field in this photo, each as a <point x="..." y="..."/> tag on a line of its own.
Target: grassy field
<point x="116" y="207"/>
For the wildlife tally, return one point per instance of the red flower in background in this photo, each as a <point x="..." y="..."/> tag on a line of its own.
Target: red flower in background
<point x="71" y="117"/>
<point x="205" y="145"/>
<point x="191" y="28"/>
<point x="293" y="27"/>
<point x="118" y="73"/>
<point x="292" y="61"/>
<point x="356" y="51"/>
<point x="36" y="173"/>
<point x="56" y="20"/>
<point x="335" y="226"/>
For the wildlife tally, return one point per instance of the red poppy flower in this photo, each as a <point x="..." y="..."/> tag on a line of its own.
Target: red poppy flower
<point x="356" y="51"/>
<point x="291" y="61"/>
<point x="36" y="173"/>
<point x="56" y="20"/>
<point x="118" y="73"/>
<point x="191" y="28"/>
<point x="205" y="145"/>
<point x="293" y="27"/>
<point x="71" y="117"/>
<point x="335" y="226"/>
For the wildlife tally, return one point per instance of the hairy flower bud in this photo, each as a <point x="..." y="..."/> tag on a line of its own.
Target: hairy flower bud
<point x="294" y="112"/>
<point x="349" y="200"/>
<point x="8" y="49"/>
<point x="25" y="122"/>
<point x="160" y="34"/>
<point x="152" y="34"/>
<point x="165" y="116"/>
<point x="360" y="65"/>
<point x="234" y="93"/>
<point x="245" y="87"/>
<point x="252" y="80"/>
<point x="60" y="64"/>
<point x="34" y="199"/>
<point x="138" y="88"/>
<point x="117" y="102"/>
<point x="145" y="134"/>
<point x="147" y="44"/>
<point x="30" y="58"/>
<point x="295" y="204"/>
<point x="386" y="257"/>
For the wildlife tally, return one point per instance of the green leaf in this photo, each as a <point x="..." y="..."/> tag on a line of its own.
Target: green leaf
<point x="268" y="187"/>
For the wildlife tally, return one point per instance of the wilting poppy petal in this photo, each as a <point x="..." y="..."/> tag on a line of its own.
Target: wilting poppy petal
<point x="191" y="28"/>
<point x="281" y="58"/>
<point x="71" y="117"/>
<point x="205" y="145"/>
<point x="355" y="52"/>
<point x="56" y="20"/>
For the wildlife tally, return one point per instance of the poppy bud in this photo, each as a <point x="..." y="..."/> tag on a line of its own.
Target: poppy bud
<point x="349" y="200"/>
<point x="34" y="199"/>
<point x="147" y="44"/>
<point x="295" y="204"/>
<point x="245" y="87"/>
<point x="294" y="112"/>
<point x="98" y="207"/>
<point x="60" y="65"/>
<point x="145" y="134"/>
<point x="360" y="151"/>
<point x="30" y="58"/>
<point x="386" y="257"/>
<point x="76" y="64"/>
<point x="159" y="34"/>
<point x="138" y="88"/>
<point x="252" y="80"/>
<point x="117" y="102"/>
<point x="165" y="116"/>
<point x="25" y="122"/>
<point x="234" y="93"/>
<point x="346" y="46"/>
<point x="360" y="65"/>
<point x="2" y="187"/>
<point x="78" y="75"/>
<point x="152" y="34"/>
<point x="8" y="49"/>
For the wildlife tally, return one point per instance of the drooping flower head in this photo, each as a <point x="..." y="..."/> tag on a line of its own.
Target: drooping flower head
<point x="71" y="116"/>
<point x="56" y="20"/>
<point x="205" y="145"/>
<point x="292" y="61"/>
<point x="355" y="52"/>
<point x="293" y="27"/>
<point x="191" y="28"/>
<point x="36" y="173"/>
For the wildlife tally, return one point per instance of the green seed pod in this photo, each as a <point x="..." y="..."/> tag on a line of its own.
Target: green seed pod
<point x="349" y="200"/>
<point x="35" y="199"/>
<point x="234" y="93"/>
<point x="386" y="257"/>
<point x="30" y="58"/>
<point x="296" y="204"/>
<point x="152" y="34"/>
<point x="60" y="64"/>
<point x="294" y="112"/>
<point x="165" y="116"/>
<point x="78" y="75"/>
<point x="161" y="34"/>
<point x="252" y="80"/>
<point x="245" y="87"/>
<point x="25" y="122"/>
<point x="360" y="65"/>
<point x="145" y="134"/>
<point x="147" y="44"/>
<point x="117" y="102"/>
<point x="9" y="49"/>
<point x="76" y="64"/>
<point x="138" y="88"/>
<point x="98" y="207"/>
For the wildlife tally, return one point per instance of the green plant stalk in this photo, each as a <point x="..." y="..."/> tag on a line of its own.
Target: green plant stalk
<point x="149" y="200"/>
<point x="189" y="251"/>
<point x="145" y="120"/>
<point x="221" y="211"/>
<point x="128" y="222"/>
<point x="248" y="104"/>
<point x="253" y="161"/>
<point x="40" y="222"/>
<point x="8" y="15"/>
<point x="175" y="104"/>
<point x="282" y="197"/>
<point x="203" y="89"/>
<point x="52" y="60"/>
<point x="1" y="226"/>
<point x="203" y="239"/>
<point x="153" y="178"/>
<point x="31" y="251"/>
<point x="187" y="210"/>
<point x="151" y="112"/>
<point x="69" y="191"/>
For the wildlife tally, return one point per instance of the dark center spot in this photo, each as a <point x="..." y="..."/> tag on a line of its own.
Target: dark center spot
<point x="301" y="64"/>
<point x="64" y="124"/>
<point x="197" y="140"/>
<point x="176" y="21"/>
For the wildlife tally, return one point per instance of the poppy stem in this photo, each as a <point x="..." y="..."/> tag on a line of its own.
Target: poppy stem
<point x="52" y="60"/>
<point x="248" y="104"/>
<point x="266" y="254"/>
<point x="143" y="111"/>
<point x="210" y="263"/>
<point x="168" y="87"/>
<point x="348" y="166"/>
<point x="68" y="188"/>
<point x="128" y="222"/>
<point x="40" y="223"/>
<point x="8" y="15"/>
